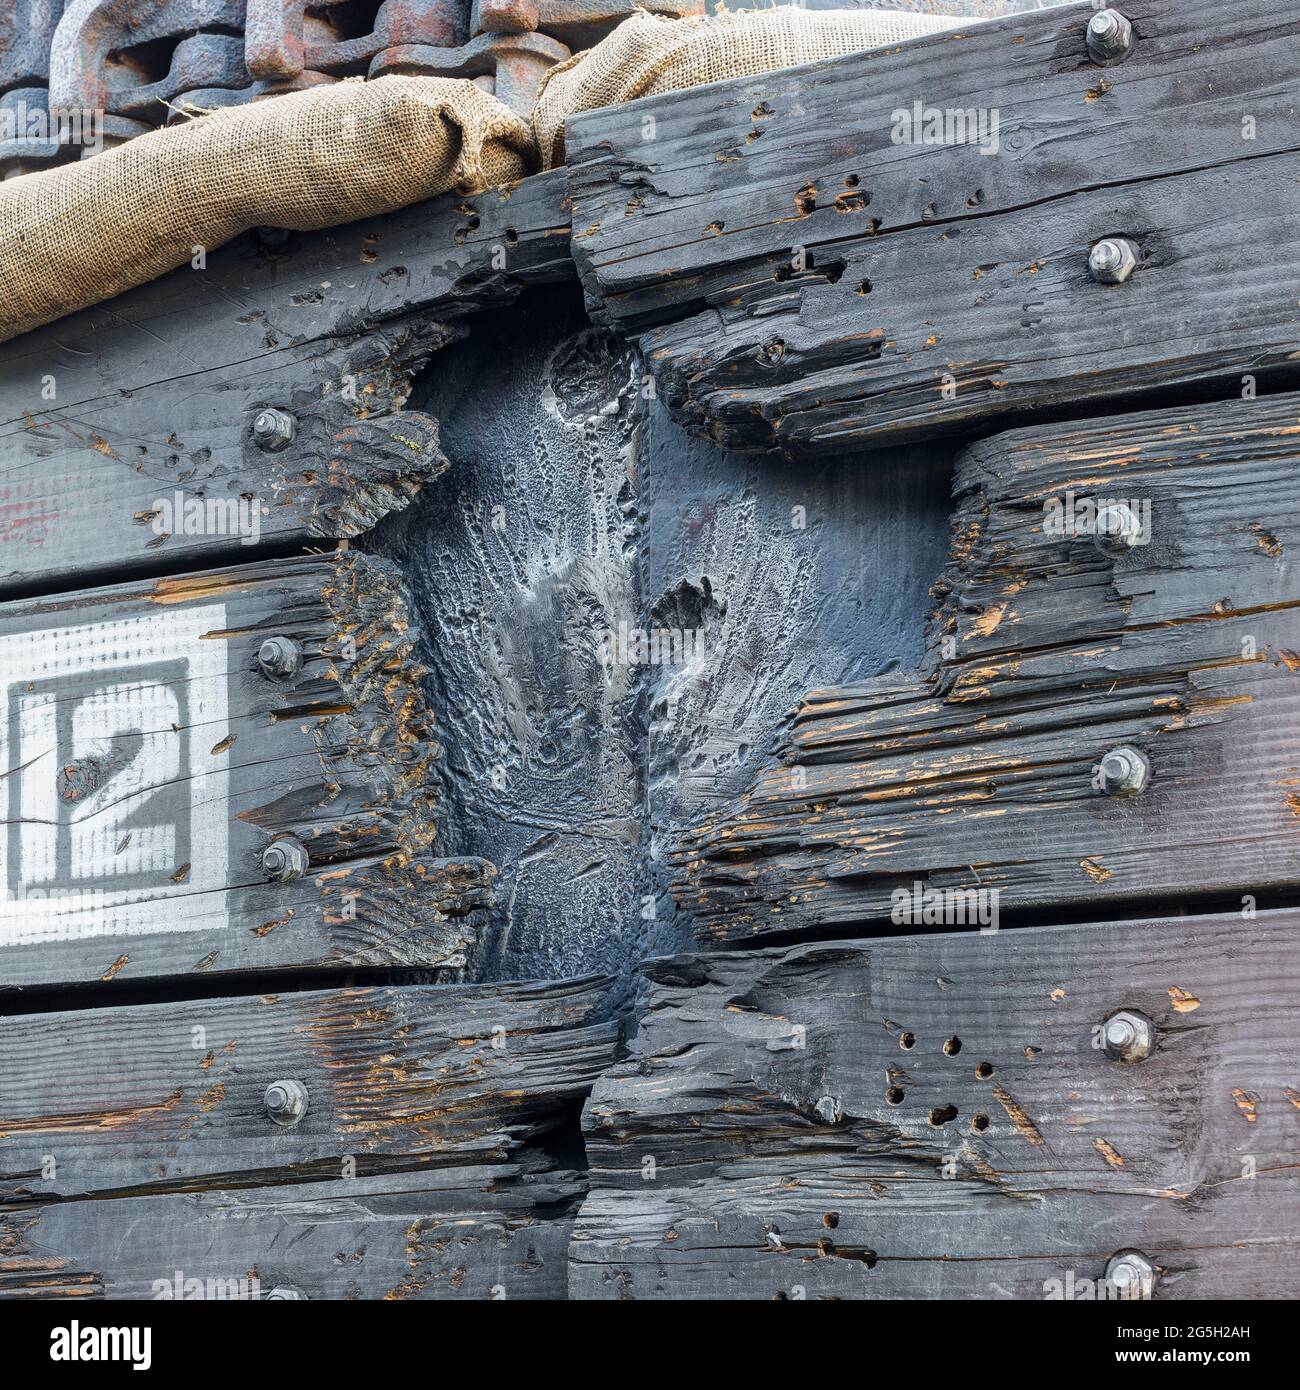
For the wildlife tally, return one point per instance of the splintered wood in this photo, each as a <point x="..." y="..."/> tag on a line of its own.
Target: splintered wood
<point x="151" y="760"/>
<point x="1047" y="651"/>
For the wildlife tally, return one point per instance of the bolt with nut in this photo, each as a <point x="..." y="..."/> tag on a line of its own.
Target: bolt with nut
<point x="279" y="658"/>
<point x="1117" y="528"/>
<point x="829" y="1110"/>
<point x="273" y="429"/>
<point x="1128" y="1036"/>
<point x="1112" y="260"/>
<point x="1110" y="37"/>
<point x="285" y="859"/>
<point x="286" y="1102"/>
<point x="1131" y="1274"/>
<point x="1124" y="771"/>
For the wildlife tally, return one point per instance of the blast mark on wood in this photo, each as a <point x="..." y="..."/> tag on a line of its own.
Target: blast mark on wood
<point x="978" y="773"/>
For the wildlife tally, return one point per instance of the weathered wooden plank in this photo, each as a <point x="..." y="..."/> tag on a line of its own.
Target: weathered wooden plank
<point x="163" y="1097"/>
<point x="173" y="474"/>
<point x="807" y="274"/>
<point x="932" y="1117"/>
<point x="150" y="761"/>
<point x="491" y="1232"/>
<point x="107" y="415"/>
<point x="1048" y="651"/>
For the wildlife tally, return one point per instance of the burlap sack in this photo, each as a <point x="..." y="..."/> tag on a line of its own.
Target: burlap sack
<point x="648" y="54"/>
<point x="81" y="233"/>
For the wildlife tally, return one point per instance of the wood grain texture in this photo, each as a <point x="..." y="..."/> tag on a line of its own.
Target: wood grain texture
<point x="434" y="1161"/>
<point x="496" y="1231"/>
<point x="1044" y="653"/>
<point x="106" y="412"/>
<point x="928" y="1117"/>
<point x="167" y="1097"/>
<point x="800" y="283"/>
<point x="149" y="761"/>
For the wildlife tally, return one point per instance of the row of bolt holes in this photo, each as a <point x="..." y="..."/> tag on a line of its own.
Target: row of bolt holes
<point x="941" y="1115"/>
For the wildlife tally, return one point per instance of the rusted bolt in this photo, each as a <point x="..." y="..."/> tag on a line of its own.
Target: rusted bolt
<point x="1112" y="260"/>
<point x="280" y="658"/>
<point x="1110" y="37"/>
<point x="286" y="1102"/>
<point x="273" y="429"/>
<point x="829" y="1110"/>
<point x="285" y="1293"/>
<point x="285" y="859"/>
<point x="771" y="352"/>
<point x="1131" y="1274"/>
<point x="1117" y="528"/>
<point x="1125" y="771"/>
<point x="1128" y="1036"/>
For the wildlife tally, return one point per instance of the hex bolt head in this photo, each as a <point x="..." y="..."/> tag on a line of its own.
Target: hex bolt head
<point x="1125" y="771"/>
<point x="1117" y="528"/>
<point x="285" y="859"/>
<point x="1110" y="37"/>
<point x="279" y="658"/>
<point x="286" y="1102"/>
<point x="1112" y="260"/>
<point x="1128" y="1036"/>
<point x="273" y="429"/>
<point x="829" y="1110"/>
<point x="285" y="1293"/>
<point x="1132" y="1274"/>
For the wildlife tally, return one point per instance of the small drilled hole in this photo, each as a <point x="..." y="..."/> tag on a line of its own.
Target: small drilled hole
<point x="831" y="1219"/>
<point x="851" y="181"/>
<point x="864" y="287"/>
<point x="894" y="1095"/>
<point x="940" y="1115"/>
<point x="952" y="1047"/>
<point x="907" y="1041"/>
<point x="979" y="1123"/>
<point x="984" y="1070"/>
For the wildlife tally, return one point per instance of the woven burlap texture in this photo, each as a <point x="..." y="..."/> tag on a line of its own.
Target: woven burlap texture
<point x="81" y="233"/>
<point x="647" y="54"/>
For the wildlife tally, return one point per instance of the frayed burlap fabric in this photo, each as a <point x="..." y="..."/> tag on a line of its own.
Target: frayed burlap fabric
<point x="647" y="54"/>
<point x="81" y="233"/>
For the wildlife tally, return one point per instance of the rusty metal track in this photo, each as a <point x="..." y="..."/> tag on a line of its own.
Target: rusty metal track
<point x="78" y="76"/>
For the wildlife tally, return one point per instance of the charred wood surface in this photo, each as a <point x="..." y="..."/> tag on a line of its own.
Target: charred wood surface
<point x="168" y="1097"/>
<point x="111" y="412"/>
<point x="1048" y="650"/>
<point x="434" y="1160"/>
<point x="932" y="1117"/>
<point x="894" y="245"/>
<point x="496" y="1231"/>
<point x="151" y="760"/>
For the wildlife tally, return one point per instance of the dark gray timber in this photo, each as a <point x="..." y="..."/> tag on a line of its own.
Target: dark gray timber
<point x="574" y="511"/>
<point x="495" y="1231"/>
<point x="1046" y="652"/>
<point x="154" y="1098"/>
<point x="930" y="1117"/>
<point x="801" y="283"/>
<point x="150" y="760"/>
<point x="433" y="1162"/>
<point x="109" y="413"/>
